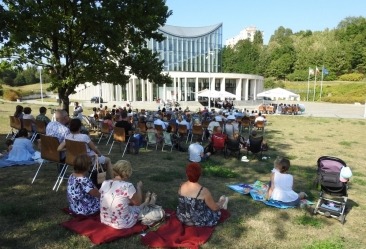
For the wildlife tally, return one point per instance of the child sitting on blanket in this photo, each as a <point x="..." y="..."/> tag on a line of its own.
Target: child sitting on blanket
<point x="281" y="184"/>
<point x="82" y="195"/>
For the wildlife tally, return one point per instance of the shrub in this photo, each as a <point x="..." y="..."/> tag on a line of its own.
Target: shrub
<point x="352" y="77"/>
<point x="1" y="90"/>
<point x="12" y="95"/>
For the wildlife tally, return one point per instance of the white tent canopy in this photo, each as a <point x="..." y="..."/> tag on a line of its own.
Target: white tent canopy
<point x="208" y="93"/>
<point x="279" y="93"/>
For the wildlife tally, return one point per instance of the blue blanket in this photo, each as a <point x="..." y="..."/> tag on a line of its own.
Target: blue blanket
<point x="6" y="163"/>
<point x="258" y="192"/>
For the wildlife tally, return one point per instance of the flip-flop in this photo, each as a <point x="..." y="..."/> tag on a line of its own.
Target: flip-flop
<point x="153" y="198"/>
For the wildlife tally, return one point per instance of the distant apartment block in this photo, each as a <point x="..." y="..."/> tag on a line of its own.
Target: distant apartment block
<point x="247" y="33"/>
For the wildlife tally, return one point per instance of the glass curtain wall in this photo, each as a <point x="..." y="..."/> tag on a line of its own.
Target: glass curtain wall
<point x="190" y="49"/>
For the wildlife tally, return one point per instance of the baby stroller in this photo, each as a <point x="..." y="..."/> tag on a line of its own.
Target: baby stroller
<point x="333" y="192"/>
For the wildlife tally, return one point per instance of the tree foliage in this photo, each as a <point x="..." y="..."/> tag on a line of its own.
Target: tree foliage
<point x="85" y="41"/>
<point x="289" y="55"/>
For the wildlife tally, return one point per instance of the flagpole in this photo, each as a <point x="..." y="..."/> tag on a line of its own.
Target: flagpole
<point x="316" y="72"/>
<point x="307" y="94"/>
<point x="321" y="84"/>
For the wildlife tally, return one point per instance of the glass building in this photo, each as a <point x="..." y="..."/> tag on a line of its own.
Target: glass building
<point x="192" y="58"/>
<point x="190" y="49"/>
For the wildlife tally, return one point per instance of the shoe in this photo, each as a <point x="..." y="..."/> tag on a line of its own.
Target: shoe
<point x="224" y="200"/>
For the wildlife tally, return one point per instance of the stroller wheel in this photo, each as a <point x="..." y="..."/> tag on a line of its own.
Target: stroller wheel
<point x="342" y="218"/>
<point x="327" y="214"/>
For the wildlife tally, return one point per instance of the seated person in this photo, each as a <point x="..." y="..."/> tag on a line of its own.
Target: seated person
<point x="108" y="120"/>
<point x="120" y="201"/>
<point x="91" y="149"/>
<point x="27" y="115"/>
<point x="260" y="118"/>
<point x="218" y="140"/>
<point x="82" y="195"/>
<point x="196" y="205"/>
<point x="22" y="148"/>
<point x="253" y="138"/>
<point x="42" y="115"/>
<point x="281" y="184"/>
<point x="196" y="151"/>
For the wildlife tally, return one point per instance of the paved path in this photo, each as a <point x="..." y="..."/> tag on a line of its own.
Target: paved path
<point x="313" y="109"/>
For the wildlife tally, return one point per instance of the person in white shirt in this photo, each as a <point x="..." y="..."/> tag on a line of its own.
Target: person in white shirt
<point x="158" y="121"/>
<point x="196" y="151"/>
<point x="260" y="118"/>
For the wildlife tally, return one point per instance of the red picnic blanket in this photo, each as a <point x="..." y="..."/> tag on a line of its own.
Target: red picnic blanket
<point x="97" y="232"/>
<point x="174" y="234"/>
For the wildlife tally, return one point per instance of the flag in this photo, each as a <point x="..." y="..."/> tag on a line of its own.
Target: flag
<point x="325" y="71"/>
<point x="311" y="71"/>
<point x="317" y="70"/>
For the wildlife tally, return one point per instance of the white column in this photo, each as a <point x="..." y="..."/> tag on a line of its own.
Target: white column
<point x="179" y="90"/>
<point x="222" y="85"/>
<point x="143" y="82"/>
<point x="175" y="90"/>
<point x="255" y="90"/>
<point x="134" y="89"/>
<point x="185" y="88"/>
<point x="246" y="88"/>
<point x="238" y="89"/>
<point x="164" y="92"/>
<point x="196" y="90"/>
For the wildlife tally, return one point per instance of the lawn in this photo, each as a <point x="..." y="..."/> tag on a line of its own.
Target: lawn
<point x="30" y="214"/>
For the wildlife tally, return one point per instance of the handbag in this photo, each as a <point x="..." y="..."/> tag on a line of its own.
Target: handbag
<point x="101" y="174"/>
<point x="151" y="214"/>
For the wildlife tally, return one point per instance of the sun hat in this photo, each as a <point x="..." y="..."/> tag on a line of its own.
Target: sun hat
<point x="345" y="174"/>
<point x="244" y="159"/>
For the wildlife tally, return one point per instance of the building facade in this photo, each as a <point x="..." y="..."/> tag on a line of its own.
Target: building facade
<point x="247" y="33"/>
<point x="192" y="57"/>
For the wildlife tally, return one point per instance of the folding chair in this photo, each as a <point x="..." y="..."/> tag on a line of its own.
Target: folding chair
<point x="28" y="125"/>
<point x="40" y="129"/>
<point x="151" y="139"/>
<point x="49" y="152"/>
<point x="73" y="149"/>
<point x="255" y="145"/>
<point x="119" y="136"/>
<point x="16" y="124"/>
<point x="159" y="129"/>
<point x="260" y="126"/>
<point x="245" y="125"/>
<point x="183" y="131"/>
<point x="142" y="127"/>
<point x="167" y="141"/>
<point x="197" y="130"/>
<point x="104" y="130"/>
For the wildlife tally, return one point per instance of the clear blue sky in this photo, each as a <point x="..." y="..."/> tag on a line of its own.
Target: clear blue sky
<point x="266" y="15"/>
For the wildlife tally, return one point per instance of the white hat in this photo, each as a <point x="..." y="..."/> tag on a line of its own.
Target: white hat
<point x="244" y="159"/>
<point x="346" y="173"/>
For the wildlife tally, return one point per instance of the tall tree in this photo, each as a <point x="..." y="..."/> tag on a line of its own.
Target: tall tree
<point x="80" y="41"/>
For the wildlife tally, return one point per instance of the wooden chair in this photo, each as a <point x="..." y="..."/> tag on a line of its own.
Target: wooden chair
<point x="119" y="136"/>
<point x="73" y="149"/>
<point x="182" y="132"/>
<point x="142" y="127"/>
<point x="104" y="130"/>
<point x="28" y="125"/>
<point x="197" y="130"/>
<point x="159" y="129"/>
<point x="252" y="120"/>
<point x="49" y="152"/>
<point x="40" y="129"/>
<point x="260" y="126"/>
<point x="15" y="124"/>
<point x="245" y="124"/>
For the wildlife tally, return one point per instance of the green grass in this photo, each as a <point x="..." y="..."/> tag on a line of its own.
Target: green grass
<point x="30" y="214"/>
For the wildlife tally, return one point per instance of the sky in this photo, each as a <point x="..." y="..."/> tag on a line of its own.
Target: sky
<point x="265" y="15"/>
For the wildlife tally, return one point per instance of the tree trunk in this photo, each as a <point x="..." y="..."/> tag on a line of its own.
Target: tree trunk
<point x="64" y="99"/>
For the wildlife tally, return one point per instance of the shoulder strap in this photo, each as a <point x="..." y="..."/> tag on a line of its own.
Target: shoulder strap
<point x="199" y="192"/>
